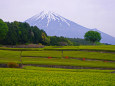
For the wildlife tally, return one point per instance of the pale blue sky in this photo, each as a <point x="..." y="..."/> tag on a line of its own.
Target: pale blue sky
<point x="98" y="14"/>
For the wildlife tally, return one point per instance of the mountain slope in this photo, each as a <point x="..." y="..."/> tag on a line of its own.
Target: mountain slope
<point x="56" y="25"/>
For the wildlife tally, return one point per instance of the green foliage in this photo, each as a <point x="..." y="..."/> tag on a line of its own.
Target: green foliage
<point x="59" y="41"/>
<point x="103" y="48"/>
<point x="45" y="39"/>
<point x="73" y="54"/>
<point x="42" y="53"/>
<point x="54" y="51"/>
<point x="78" y="41"/>
<point x="3" y="30"/>
<point x="22" y="33"/>
<point x="67" y="62"/>
<point x="98" y="43"/>
<point x="90" y="55"/>
<point x="66" y="70"/>
<point x="26" y="77"/>
<point x="9" y="56"/>
<point x="30" y="57"/>
<point x="92" y="36"/>
<point x="39" y="43"/>
<point x="36" y="35"/>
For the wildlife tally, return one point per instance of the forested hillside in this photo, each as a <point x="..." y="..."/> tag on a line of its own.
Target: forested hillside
<point x="15" y="33"/>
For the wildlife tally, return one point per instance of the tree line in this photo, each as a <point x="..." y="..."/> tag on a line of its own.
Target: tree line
<point x="15" y="33"/>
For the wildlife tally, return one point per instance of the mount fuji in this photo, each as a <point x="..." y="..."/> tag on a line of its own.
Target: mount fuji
<point x="56" y="25"/>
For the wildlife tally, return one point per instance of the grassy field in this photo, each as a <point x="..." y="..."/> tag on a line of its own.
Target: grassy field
<point x="9" y="56"/>
<point x="74" y="54"/>
<point x="37" y="57"/>
<point x="55" y="77"/>
<point x="90" y="55"/>
<point x="21" y="49"/>
<point x="66" y="70"/>
<point x="109" y="48"/>
<point x="42" y="54"/>
<point x="15" y="55"/>
<point x="67" y="62"/>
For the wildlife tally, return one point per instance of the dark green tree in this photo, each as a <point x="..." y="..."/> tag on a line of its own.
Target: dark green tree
<point x="23" y="33"/>
<point x="3" y="29"/>
<point x="11" y="37"/>
<point x="37" y="35"/>
<point x="92" y="36"/>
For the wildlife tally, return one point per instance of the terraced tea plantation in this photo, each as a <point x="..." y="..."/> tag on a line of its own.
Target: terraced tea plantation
<point x="59" y="66"/>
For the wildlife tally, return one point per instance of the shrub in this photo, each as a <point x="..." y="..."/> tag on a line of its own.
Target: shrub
<point x="83" y="59"/>
<point x="12" y="65"/>
<point x="26" y="43"/>
<point x="0" y="45"/>
<point x="66" y="57"/>
<point x="49" y="57"/>
<point x="40" y="44"/>
<point x="105" y="61"/>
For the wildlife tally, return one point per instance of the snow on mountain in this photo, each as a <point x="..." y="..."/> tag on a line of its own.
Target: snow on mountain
<point x="50" y="16"/>
<point x="56" y="25"/>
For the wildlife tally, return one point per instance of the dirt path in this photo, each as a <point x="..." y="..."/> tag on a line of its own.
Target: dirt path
<point x="68" y="67"/>
<point x="87" y="59"/>
<point x="60" y="66"/>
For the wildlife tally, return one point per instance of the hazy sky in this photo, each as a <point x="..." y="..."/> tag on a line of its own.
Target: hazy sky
<point x="98" y="14"/>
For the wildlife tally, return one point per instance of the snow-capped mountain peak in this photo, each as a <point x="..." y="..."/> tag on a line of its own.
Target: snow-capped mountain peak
<point x="50" y="16"/>
<point x="43" y="14"/>
<point x="56" y="25"/>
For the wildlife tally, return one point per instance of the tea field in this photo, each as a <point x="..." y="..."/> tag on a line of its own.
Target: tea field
<point x="55" y="77"/>
<point x="91" y="57"/>
<point x="41" y="58"/>
<point x="73" y="54"/>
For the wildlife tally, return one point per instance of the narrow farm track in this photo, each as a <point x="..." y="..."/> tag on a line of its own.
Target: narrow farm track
<point x="60" y="66"/>
<point x="92" y="59"/>
<point x="67" y="67"/>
